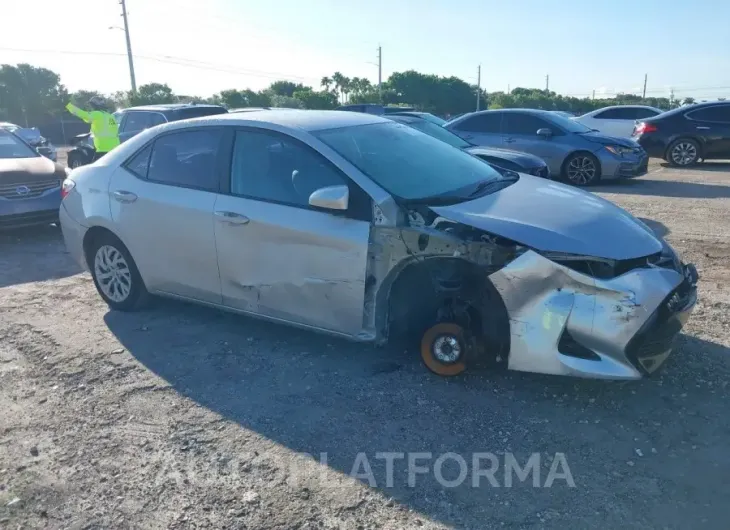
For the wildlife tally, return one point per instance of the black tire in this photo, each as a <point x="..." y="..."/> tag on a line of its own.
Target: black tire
<point x="124" y="290"/>
<point x="581" y="169"/>
<point x="683" y="152"/>
<point x="75" y="160"/>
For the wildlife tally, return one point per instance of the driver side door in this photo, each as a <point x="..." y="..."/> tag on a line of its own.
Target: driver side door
<point x="278" y="256"/>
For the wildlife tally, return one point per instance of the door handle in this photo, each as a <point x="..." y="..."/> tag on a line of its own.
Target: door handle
<point x="124" y="196"/>
<point x="703" y="128"/>
<point x="232" y="218"/>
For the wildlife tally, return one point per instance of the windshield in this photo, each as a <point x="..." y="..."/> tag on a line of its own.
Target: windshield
<point x="433" y="119"/>
<point x="434" y="130"/>
<point x="407" y="163"/>
<point x="13" y="147"/>
<point x="569" y="125"/>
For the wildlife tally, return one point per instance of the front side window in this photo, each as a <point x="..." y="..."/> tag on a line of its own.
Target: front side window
<point x="274" y="167"/>
<point x="156" y="119"/>
<point x="187" y="159"/>
<point x="409" y="164"/>
<point x="524" y="124"/>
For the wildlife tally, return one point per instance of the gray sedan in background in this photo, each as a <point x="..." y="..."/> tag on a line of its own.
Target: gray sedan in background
<point x="576" y="153"/>
<point x="357" y="226"/>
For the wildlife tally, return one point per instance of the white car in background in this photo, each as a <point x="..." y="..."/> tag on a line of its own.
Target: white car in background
<point x="618" y="120"/>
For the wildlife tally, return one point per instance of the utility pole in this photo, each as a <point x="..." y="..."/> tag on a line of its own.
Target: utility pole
<point x="644" y="94"/>
<point x="380" y="73"/>
<point x="508" y="90"/>
<point x="129" y="46"/>
<point x="594" y="94"/>
<point x="479" y="85"/>
<point x="547" y="83"/>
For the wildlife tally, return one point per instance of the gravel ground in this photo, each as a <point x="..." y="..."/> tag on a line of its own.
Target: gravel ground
<point x="185" y="417"/>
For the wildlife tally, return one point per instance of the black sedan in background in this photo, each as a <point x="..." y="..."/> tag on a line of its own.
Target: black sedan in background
<point x="503" y="158"/>
<point x="30" y="184"/>
<point x="688" y="134"/>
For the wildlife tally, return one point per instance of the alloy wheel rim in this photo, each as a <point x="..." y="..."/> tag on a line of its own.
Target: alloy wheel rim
<point x="112" y="273"/>
<point x="581" y="170"/>
<point x="447" y="349"/>
<point x="684" y="153"/>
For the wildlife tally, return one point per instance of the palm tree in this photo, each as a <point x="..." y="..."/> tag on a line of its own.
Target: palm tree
<point x="339" y="80"/>
<point x="325" y="83"/>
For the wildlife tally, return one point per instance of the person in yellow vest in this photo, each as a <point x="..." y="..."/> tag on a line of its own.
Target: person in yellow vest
<point x="104" y="127"/>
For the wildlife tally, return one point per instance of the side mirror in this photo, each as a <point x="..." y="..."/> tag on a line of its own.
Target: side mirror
<point x="545" y="132"/>
<point x="330" y="198"/>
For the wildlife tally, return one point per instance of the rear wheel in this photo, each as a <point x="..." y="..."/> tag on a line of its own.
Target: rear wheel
<point x="582" y="169"/>
<point x="683" y="152"/>
<point x="115" y="274"/>
<point x="444" y="349"/>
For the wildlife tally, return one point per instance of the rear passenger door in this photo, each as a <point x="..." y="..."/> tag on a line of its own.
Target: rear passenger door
<point x="480" y="129"/>
<point x="280" y="257"/>
<point x="162" y="203"/>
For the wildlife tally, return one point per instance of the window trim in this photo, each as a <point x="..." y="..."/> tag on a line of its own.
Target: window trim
<point x="227" y="176"/>
<point x="221" y="163"/>
<point x="688" y="115"/>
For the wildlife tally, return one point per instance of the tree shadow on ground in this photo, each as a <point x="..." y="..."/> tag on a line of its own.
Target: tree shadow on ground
<point x="314" y="394"/>
<point x="666" y="188"/>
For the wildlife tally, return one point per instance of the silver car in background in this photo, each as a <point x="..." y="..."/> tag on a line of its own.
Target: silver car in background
<point x="360" y="227"/>
<point x="572" y="151"/>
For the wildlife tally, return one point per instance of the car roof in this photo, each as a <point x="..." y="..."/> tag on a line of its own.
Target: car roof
<point x="308" y="120"/>
<point x="171" y="106"/>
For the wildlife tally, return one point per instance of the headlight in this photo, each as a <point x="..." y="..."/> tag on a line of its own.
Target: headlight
<point x="619" y="150"/>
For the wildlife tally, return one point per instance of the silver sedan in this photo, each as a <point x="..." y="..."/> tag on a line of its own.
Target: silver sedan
<point x="361" y="227"/>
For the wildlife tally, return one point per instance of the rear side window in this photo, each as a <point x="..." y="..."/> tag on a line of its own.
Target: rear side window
<point x="715" y="113"/>
<point x="137" y="121"/>
<point x="139" y="163"/>
<point x="645" y="113"/>
<point x="617" y="114"/>
<point x="188" y="159"/>
<point x="481" y="123"/>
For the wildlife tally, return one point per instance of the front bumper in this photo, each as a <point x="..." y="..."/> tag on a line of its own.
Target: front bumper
<point x="21" y="212"/>
<point x="567" y="323"/>
<point x="614" y="167"/>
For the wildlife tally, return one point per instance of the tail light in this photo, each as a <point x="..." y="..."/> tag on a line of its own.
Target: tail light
<point x="66" y="187"/>
<point x="643" y="128"/>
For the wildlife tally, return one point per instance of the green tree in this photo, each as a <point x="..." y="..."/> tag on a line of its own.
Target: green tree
<point x="312" y="99"/>
<point x="288" y="102"/>
<point x="284" y="88"/>
<point x="152" y="94"/>
<point x="81" y="98"/>
<point x="29" y="94"/>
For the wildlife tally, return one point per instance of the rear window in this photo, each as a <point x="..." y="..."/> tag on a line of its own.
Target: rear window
<point x="197" y="112"/>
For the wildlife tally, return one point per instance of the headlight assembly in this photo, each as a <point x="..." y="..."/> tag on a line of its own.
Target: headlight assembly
<point x="619" y="150"/>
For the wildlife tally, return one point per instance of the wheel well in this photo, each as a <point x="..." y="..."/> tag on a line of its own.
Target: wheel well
<point x="447" y="289"/>
<point x="579" y="152"/>
<point x="93" y="235"/>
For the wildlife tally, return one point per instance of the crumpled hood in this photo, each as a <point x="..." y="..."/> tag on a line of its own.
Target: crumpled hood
<point x="604" y="139"/>
<point x="522" y="159"/>
<point x="550" y="216"/>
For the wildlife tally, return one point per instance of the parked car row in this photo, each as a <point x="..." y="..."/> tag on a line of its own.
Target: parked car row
<point x="363" y="227"/>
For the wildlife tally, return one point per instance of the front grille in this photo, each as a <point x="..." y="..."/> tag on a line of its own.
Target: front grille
<point x="27" y="190"/>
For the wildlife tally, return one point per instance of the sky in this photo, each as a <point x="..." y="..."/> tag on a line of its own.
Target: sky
<point x="200" y="48"/>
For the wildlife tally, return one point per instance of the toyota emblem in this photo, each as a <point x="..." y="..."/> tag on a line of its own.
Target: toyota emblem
<point x="22" y="190"/>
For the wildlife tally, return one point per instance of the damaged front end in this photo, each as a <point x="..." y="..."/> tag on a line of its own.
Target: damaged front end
<point x="531" y="310"/>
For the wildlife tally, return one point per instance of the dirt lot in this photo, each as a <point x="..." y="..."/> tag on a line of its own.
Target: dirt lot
<point x="182" y="417"/>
